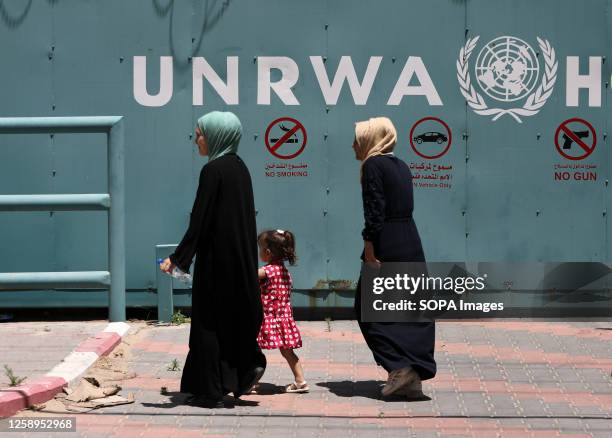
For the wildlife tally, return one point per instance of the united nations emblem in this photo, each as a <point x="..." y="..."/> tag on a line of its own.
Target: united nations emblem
<point x="507" y="69"/>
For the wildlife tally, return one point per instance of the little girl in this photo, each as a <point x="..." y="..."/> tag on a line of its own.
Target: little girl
<point x="278" y="329"/>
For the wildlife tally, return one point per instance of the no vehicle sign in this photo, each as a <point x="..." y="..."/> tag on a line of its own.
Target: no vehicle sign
<point x="286" y="138"/>
<point x="575" y="139"/>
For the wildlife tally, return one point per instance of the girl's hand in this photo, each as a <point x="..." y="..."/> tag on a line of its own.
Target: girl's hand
<point x="261" y="273"/>
<point x="368" y="255"/>
<point x="166" y="265"/>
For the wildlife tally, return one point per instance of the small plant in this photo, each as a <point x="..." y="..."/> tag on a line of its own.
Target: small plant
<point x="178" y="318"/>
<point x="328" y="321"/>
<point x="174" y="365"/>
<point x="13" y="379"/>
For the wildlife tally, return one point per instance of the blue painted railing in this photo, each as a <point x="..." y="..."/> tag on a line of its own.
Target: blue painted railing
<point x="113" y="202"/>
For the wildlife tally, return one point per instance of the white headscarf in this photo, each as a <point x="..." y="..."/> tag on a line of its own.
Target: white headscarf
<point x="376" y="136"/>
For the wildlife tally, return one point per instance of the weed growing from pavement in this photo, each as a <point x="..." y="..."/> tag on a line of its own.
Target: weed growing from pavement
<point x="174" y="365"/>
<point x="178" y="318"/>
<point x="328" y="321"/>
<point x="13" y="379"/>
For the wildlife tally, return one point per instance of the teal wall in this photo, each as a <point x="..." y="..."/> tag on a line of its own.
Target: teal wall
<point x="75" y="57"/>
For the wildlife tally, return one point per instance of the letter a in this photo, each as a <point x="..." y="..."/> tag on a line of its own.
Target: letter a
<point x="414" y="66"/>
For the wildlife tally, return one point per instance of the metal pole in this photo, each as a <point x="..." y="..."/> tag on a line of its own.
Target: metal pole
<point x="39" y="280"/>
<point x="46" y="125"/>
<point x="165" y="300"/>
<point x="116" y="222"/>
<point x="91" y="202"/>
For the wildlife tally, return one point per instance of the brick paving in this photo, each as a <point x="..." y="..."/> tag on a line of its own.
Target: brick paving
<point x="31" y="349"/>
<point x="498" y="379"/>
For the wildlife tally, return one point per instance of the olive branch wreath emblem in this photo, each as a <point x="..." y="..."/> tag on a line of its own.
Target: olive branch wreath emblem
<point x="534" y="102"/>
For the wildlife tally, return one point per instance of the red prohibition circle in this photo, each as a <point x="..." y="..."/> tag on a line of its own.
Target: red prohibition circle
<point x="273" y="148"/>
<point x="431" y="157"/>
<point x="579" y="142"/>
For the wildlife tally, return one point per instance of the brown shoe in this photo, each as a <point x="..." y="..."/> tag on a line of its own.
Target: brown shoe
<point x="414" y="390"/>
<point x="399" y="379"/>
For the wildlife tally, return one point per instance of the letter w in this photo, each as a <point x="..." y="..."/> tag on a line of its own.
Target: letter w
<point x="346" y="72"/>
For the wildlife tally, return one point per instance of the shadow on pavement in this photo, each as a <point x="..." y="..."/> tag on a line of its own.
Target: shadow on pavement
<point x="365" y="388"/>
<point x="178" y="398"/>
<point x="269" y="389"/>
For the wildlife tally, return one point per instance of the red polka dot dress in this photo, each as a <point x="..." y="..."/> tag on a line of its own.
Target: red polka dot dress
<point x="278" y="329"/>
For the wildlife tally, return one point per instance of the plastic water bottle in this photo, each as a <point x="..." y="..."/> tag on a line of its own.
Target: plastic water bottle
<point x="185" y="277"/>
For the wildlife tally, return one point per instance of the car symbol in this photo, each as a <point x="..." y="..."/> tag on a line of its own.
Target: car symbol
<point x="431" y="137"/>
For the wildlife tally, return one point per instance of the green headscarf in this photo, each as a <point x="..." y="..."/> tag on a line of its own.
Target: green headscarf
<point x="223" y="132"/>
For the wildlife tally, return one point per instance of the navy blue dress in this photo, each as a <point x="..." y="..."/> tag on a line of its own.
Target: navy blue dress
<point x="387" y="207"/>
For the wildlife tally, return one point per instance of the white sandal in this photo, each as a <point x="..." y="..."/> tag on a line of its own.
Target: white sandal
<point x="295" y="388"/>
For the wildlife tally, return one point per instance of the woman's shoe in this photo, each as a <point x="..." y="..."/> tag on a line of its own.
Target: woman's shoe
<point x="414" y="390"/>
<point x="252" y="380"/>
<point x="204" y="402"/>
<point x="254" y="390"/>
<point x="399" y="379"/>
<point x="298" y="388"/>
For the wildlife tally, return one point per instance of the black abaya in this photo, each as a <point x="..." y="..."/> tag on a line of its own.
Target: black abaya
<point x="226" y="306"/>
<point x="388" y="204"/>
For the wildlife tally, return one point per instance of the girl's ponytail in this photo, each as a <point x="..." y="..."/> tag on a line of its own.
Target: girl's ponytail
<point x="289" y="248"/>
<point x="281" y="244"/>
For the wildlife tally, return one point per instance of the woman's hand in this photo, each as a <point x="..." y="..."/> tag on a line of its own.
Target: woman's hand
<point x="368" y="255"/>
<point x="166" y="265"/>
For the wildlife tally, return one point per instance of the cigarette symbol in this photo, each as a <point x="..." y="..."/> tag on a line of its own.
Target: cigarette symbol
<point x="292" y="139"/>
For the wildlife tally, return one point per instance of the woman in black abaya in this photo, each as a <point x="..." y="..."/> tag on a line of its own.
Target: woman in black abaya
<point x="404" y="350"/>
<point x="226" y="310"/>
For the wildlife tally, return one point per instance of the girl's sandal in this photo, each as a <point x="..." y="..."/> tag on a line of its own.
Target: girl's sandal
<point x="297" y="388"/>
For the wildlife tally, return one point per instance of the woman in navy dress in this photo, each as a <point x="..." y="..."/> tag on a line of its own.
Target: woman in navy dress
<point x="404" y="350"/>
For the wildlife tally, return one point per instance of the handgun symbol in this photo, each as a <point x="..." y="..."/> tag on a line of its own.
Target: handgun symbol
<point x="567" y="141"/>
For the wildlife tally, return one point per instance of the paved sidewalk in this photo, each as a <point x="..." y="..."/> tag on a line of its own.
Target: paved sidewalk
<point x="502" y="379"/>
<point x="31" y="349"/>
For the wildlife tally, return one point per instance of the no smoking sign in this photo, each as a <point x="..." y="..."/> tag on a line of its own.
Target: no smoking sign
<point x="286" y="138"/>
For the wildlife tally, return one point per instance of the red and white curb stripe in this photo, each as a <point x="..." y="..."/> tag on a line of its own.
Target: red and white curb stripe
<point x="42" y="389"/>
